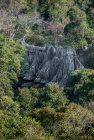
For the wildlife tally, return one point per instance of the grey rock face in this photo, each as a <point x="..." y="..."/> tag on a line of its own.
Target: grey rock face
<point x="50" y="64"/>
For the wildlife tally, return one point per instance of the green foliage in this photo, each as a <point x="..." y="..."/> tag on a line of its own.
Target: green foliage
<point x="32" y="130"/>
<point x="53" y="9"/>
<point x="68" y="13"/>
<point x="32" y="5"/>
<point x="81" y="86"/>
<point x="76" y="121"/>
<point x="77" y="29"/>
<point x="76" y="17"/>
<point x="71" y="124"/>
<point x="11" y="56"/>
<point x="87" y="57"/>
<point x="53" y="95"/>
<point x="37" y="40"/>
<point x="84" y="4"/>
<point x="6" y="103"/>
<point x="51" y="120"/>
<point x="13" y="126"/>
<point x="28" y="99"/>
<point x="9" y="121"/>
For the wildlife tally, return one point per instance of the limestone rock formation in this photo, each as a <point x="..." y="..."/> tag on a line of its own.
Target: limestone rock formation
<point x="50" y="64"/>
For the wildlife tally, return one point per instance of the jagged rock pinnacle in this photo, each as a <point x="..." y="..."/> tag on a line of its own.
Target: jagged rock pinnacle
<point x="50" y="64"/>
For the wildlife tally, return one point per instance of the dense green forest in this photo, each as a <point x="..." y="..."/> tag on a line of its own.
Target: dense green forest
<point x="51" y="112"/>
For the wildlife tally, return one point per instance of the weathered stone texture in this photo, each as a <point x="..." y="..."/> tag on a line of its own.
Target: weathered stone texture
<point x="50" y="64"/>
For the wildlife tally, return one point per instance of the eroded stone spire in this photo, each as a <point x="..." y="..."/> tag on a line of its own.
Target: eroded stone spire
<point x="50" y="64"/>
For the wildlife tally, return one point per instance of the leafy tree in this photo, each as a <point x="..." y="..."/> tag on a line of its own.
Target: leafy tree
<point x="13" y="126"/>
<point x="50" y="120"/>
<point x="28" y="99"/>
<point x="11" y="56"/>
<point x="53" y="95"/>
<point x="81" y="86"/>
<point x="77" y="122"/>
<point x="84" y="4"/>
<point x="6" y="103"/>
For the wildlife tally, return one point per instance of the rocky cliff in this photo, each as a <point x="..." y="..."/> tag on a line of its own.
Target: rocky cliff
<point x="50" y="64"/>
